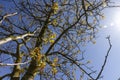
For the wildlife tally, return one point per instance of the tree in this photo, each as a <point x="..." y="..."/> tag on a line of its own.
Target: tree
<point x="45" y="37"/>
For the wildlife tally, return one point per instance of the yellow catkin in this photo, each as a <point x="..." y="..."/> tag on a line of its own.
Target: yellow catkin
<point x="55" y="7"/>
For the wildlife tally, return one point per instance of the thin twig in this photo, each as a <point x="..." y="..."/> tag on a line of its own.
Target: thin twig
<point x="73" y="61"/>
<point x="8" y="15"/>
<point x="106" y="57"/>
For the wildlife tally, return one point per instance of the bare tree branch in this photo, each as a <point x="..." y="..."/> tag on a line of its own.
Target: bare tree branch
<point x="106" y="57"/>
<point x="8" y="64"/>
<point x="6" y="75"/>
<point x="5" y="40"/>
<point x="7" y="15"/>
<point x="73" y="61"/>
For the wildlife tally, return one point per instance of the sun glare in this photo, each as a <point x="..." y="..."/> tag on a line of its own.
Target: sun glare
<point x="116" y="18"/>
